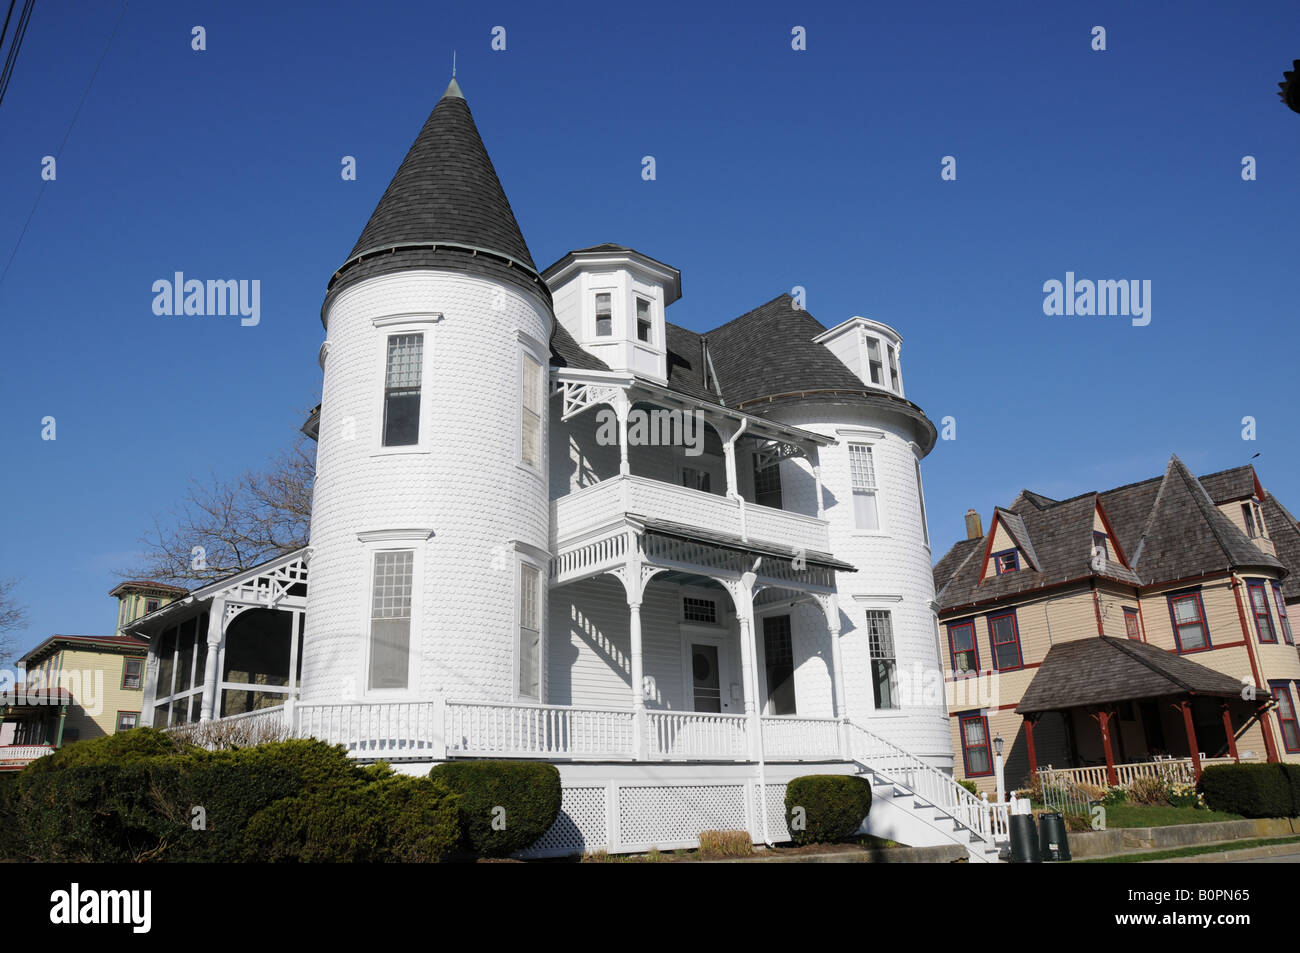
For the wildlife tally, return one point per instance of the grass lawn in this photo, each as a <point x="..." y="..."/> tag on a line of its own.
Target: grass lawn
<point x="1136" y="815"/>
<point x="1191" y="851"/>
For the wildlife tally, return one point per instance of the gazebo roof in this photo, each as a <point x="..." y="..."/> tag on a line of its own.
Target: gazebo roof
<point x="1103" y="671"/>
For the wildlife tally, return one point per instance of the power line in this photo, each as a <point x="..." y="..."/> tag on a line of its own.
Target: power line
<point x="59" y="154"/>
<point x="19" y="32"/>
<point x="4" y="31"/>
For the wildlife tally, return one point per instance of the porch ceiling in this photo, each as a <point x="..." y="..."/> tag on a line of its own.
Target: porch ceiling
<point x="1103" y="670"/>
<point x="750" y="547"/>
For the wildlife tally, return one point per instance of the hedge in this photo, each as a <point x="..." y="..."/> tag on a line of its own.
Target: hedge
<point x="1251" y="790"/>
<point x="505" y="806"/>
<point x="822" y="808"/>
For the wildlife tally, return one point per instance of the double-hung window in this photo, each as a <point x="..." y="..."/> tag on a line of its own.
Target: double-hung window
<point x="975" y="745"/>
<point x="1286" y="715"/>
<point x="390" y="619"/>
<point x="530" y="631"/>
<point x="530" y="444"/>
<point x="961" y="647"/>
<point x="866" y="510"/>
<point x="1004" y="638"/>
<point x="893" y="369"/>
<point x="875" y="364"/>
<point x="1282" y="616"/>
<point x="1188" y="615"/>
<point x="644" y="324"/>
<point x="767" y="485"/>
<point x="1006" y="561"/>
<point x="133" y="674"/>
<point x="884" y="660"/>
<point x="402" y="376"/>
<point x="126" y="720"/>
<point x="1132" y="627"/>
<point x="604" y="314"/>
<point x="1259" y="607"/>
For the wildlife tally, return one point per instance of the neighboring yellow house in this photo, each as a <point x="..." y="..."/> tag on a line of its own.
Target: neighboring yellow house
<point x="1149" y="621"/>
<point x="80" y="686"/>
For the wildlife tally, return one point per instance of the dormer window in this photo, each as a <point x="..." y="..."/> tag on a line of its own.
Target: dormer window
<point x="1100" y="544"/>
<point x="1006" y="561"/>
<point x="877" y="367"/>
<point x="893" y="368"/>
<point x="644" y="326"/>
<point x="604" y="315"/>
<point x="1254" y="519"/>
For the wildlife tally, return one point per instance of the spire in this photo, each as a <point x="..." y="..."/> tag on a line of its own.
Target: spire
<point x="446" y="194"/>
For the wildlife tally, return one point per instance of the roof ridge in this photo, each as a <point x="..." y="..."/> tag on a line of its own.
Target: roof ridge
<point x="784" y="294"/>
<point x="1123" y="646"/>
<point x="961" y="565"/>
<point x="1151" y="514"/>
<point x="1208" y="509"/>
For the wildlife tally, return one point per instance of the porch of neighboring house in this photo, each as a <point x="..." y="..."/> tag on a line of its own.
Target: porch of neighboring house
<point x="1106" y="711"/>
<point x="31" y="724"/>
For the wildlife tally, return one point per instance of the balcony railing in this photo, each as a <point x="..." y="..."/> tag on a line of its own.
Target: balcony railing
<point x="1176" y="769"/>
<point x="23" y="754"/>
<point x="606" y="502"/>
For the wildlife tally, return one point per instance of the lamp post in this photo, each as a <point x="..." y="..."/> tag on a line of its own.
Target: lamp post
<point x="997" y="767"/>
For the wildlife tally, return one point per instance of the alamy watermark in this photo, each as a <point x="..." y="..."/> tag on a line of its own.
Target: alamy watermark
<point x="221" y="296"/>
<point x="1108" y="296"/>
<point x="654" y="428"/>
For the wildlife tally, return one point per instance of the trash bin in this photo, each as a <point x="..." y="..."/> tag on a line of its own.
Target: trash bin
<point x="1024" y="840"/>
<point x="1052" y="839"/>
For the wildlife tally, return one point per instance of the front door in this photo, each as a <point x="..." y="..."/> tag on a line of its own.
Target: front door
<point x="706" y="682"/>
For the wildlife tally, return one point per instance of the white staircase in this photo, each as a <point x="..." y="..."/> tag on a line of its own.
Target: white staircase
<point x="916" y="804"/>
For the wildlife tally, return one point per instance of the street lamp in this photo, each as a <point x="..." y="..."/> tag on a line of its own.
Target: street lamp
<point x="997" y="767"/>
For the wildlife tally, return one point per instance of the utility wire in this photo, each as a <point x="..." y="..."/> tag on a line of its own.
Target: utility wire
<point x="4" y="31"/>
<point x="66" y="136"/>
<point x="19" y="32"/>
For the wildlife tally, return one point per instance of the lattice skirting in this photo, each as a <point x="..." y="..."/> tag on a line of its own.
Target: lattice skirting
<point x="630" y="817"/>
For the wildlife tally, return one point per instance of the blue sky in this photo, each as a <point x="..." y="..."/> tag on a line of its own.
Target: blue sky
<point x="775" y="168"/>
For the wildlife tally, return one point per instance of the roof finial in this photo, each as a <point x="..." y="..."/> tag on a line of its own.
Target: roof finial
<point x="453" y="64"/>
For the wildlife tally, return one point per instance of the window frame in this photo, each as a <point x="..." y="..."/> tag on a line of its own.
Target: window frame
<point x="1171" y="598"/>
<point x="412" y="542"/>
<point x="1282" y="689"/>
<point x="1283" y="616"/>
<point x="974" y="648"/>
<point x="523" y="559"/>
<point x="649" y="339"/>
<point x="396" y="325"/>
<point x="920" y="498"/>
<point x="595" y="313"/>
<point x="528" y="352"/>
<point x="142" y="660"/>
<point x="117" y="723"/>
<point x="965" y="749"/>
<point x="873" y="491"/>
<point x="1136" y="617"/>
<point x="997" y="561"/>
<point x="1102" y="539"/>
<point x="387" y="342"/>
<point x="993" y="645"/>
<point x="1258" y="585"/>
<point x="894" y="686"/>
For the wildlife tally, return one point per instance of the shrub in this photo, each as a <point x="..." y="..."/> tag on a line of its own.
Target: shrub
<point x="826" y="807"/>
<point x="386" y="819"/>
<point x="1115" y="795"/>
<point x="970" y="786"/>
<point x="1148" y="791"/>
<point x="1182" y="794"/>
<point x="505" y="806"/>
<point x="726" y="844"/>
<point x="1251" y="790"/>
<point x="10" y="843"/>
<point x="120" y="748"/>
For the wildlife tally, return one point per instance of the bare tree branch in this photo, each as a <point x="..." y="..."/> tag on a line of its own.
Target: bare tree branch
<point x="13" y="616"/>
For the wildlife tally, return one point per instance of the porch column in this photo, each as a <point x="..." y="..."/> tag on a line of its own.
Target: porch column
<point x="749" y="683"/>
<point x="1103" y="720"/>
<point x="63" y="716"/>
<point x="1270" y="749"/>
<point x="622" y="407"/>
<point x="817" y="481"/>
<point x="832" y="609"/>
<point x="638" y="681"/>
<point x="216" y="621"/>
<point x="1231" y="735"/>
<point x="1192" y="746"/>
<point x="1029" y="743"/>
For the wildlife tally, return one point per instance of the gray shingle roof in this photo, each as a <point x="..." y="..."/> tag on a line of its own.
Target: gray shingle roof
<point x="444" y="195"/>
<point x="1167" y="528"/>
<point x="1285" y="533"/>
<point x="1105" y="670"/>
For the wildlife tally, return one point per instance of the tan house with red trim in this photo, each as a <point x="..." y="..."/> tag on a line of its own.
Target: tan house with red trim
<point x="1199" y="569"/>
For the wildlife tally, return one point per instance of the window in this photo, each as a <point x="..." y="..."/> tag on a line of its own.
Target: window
<point x="893" y="369"/>
<point x="778" y="658"/>
<point x="866" y="514"/>
<point x="767" y="484"/>
<point x="530" y="631"/>
<point x="877" y="368"/>
<point x="1188" y="616"/>
<point x="1004" y="638"/>
<point x="1249" y="517"/>
<point x="920" y="497"/>
<point x="961" y="646"/>
<point x="604" y="315"/>
<point x="390" y="619"/>
<point x="644" y="327"/>
<point x="126" y="720"/>
<point x="1131" y="626"/>
<point x="1254" y="519"/>
<point x="700" y="610"/>
<point x="133" y="674"/>
<point x="1101" y="544"/>
<point x="531" y="441"/>
<point x="884" y="662"/>
<point x="1006" y="561"/>
<point x="402" y="390"/>
<point x="975" y="745"/>
<point x="696" y="479"/>
<point x="1282" y="616"/>
<point x="1286" y="715"/>
<point x="150" y="605"/>
<point x="1259" y="606"/>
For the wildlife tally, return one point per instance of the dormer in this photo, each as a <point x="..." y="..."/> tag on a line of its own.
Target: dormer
<point x="139" y="597"/>
<point x="612" y="300"/>
<point x="870" y="350"/>
<point x="1007" y="548"/>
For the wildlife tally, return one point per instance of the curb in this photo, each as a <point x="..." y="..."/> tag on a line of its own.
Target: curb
<point x="1227" y="856"/>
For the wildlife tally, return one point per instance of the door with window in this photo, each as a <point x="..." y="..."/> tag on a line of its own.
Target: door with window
<point x="778" y="659"/>
<point x="706" y="679"/>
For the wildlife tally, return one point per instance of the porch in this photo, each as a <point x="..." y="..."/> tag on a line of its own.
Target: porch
<point x="31" y="724"/>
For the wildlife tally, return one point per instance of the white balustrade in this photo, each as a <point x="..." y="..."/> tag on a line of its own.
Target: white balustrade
<point x="696" y="736"/>
<point x="387" y="730"/>
<point x="1175" y="769"/>
<point x="801" y="739"/>
<point x="16" y="753"/>
<point x="483" y="729"/>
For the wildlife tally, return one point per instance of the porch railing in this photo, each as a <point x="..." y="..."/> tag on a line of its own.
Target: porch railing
<point x="474" y="728"/>
<point x="693" y="736"/>
<point x="1176" y="769"/>
<point x="801" y="739"/>
<point x="23" y="753"/>
<point x="388" y="730"/>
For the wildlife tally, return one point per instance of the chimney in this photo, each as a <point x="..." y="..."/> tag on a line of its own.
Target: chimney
<point x="974" y="527"/>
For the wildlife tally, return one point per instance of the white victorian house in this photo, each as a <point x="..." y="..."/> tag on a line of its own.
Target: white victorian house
<point x="550" y="524"/>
